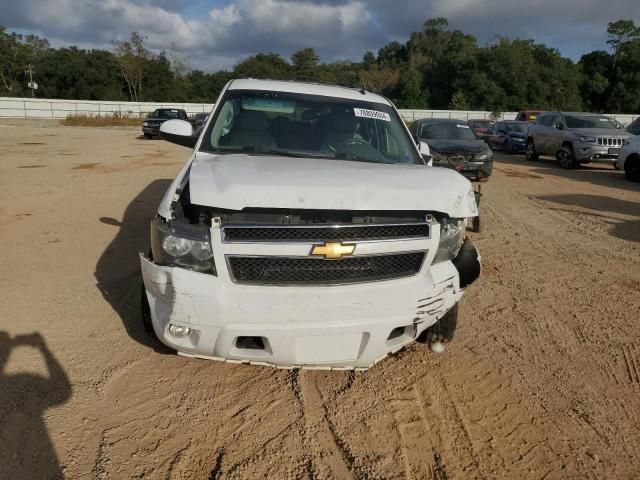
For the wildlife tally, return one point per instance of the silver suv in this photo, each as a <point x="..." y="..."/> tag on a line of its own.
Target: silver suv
<point x="575" y="138"/>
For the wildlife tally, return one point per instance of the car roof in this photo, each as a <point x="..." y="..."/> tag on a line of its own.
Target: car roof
<point x="306" y="88"/>
<point x="514" y="121"/>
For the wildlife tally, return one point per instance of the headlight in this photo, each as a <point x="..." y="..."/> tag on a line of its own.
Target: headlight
<point x="483" y="156"/>
<point x="626" y="142"/>
<point x="182" y="245"/>
<point x="452" y="232"/>
<point x="517" y="139"/>
<point x="145" y="124"/>
<point x="588" y="139"/>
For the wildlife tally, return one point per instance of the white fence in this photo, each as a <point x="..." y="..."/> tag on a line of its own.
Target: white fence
<point x="46" y="108"/>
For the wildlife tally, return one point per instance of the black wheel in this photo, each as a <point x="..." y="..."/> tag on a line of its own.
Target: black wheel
<point x="632" y="168"/>
<point x="476" y="225"/>
<point x="532" y="154"/>
<point x="566" y="158"/>
<point x="443" y="330"/>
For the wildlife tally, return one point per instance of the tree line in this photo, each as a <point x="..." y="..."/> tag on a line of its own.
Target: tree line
<point x="437" y="67"/>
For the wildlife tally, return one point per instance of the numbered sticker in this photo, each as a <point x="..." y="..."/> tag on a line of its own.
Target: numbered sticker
<point x="364" y="113"/>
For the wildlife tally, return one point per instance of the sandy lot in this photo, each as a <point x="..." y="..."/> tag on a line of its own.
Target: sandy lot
<point x="542" y="380"/>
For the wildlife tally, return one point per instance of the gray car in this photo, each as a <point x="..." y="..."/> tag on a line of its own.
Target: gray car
<point x="575" y="138"/>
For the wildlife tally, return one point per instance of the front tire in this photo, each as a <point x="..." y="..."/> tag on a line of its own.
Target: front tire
<point x="443" y="330"/>
<point x="566" y="158"/>
<point x="532" y="154"/>
<point x="632" y="168"/>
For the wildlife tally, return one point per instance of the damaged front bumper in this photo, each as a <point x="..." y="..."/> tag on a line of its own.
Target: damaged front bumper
<point x="324" y="327"/>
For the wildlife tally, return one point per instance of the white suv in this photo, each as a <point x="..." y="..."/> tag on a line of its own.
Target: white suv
<point x="629" y="159"/>
<point x="306" y="230"/>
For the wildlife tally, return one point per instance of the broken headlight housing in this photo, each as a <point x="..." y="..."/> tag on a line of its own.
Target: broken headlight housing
<point x="452" y="231"/>
<point x="182" y="245"/>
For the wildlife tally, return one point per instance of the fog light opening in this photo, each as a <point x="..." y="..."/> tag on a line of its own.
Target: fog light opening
<point x="250" y="343"/>
<point x="178" y="331"/>
<point x="395" y="333"/>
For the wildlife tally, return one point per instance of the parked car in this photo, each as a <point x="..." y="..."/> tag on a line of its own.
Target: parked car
<point x="481" y="127"/>
<point x="528" y="115"/>
<point x="305" y="230"/>
<point x="151" y="126"/>
<point x="575" y="138"/>
<point x="634" y="127"/>
<point x="452" y="142"/>
<point x="509" y="136"/>
<point x="629" y="159"/>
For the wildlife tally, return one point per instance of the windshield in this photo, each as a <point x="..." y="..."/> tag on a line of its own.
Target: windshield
<point x="167" y="113"/>
<point x="517" y="127"/>
<point x="300" y="125"/>
<point x="447" y="131"/>
<point x="589" y="121"/>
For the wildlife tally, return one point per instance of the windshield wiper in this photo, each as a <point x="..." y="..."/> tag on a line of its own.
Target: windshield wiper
<point x="359" y="158"/>
<point x="265" y="150"/>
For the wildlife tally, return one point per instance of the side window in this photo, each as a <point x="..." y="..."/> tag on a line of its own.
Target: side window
<point x="547" y="120"/>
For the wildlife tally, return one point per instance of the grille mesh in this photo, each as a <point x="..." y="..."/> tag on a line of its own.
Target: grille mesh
<point x="325" y="233"/>
<point x="311" y="271"/>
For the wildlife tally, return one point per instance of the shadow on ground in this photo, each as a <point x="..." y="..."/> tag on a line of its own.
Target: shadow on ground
<point x="26" y="451"/>
<point x="622" y="228"/>
<point x="594" y="173"/>
<point x="118" y="268"/>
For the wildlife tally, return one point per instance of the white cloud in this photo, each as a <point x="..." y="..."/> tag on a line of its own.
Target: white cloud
<point x="338" y="29"/>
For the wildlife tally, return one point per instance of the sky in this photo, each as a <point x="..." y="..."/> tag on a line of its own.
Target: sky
<point x="217" y="34"/>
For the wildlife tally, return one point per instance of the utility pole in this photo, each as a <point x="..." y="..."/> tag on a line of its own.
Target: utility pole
<point x="32" y="85"/>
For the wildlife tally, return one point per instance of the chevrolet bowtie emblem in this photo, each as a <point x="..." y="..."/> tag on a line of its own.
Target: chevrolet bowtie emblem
<point x="333" y="250"/>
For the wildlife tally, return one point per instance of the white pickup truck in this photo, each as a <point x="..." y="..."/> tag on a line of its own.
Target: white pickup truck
<point x="306" y="230"/>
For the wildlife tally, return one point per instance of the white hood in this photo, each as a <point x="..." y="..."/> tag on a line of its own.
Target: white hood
<point x="235" y="182"/>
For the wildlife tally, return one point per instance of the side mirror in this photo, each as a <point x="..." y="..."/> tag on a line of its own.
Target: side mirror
<point x="423" y="147"/>
<point x="559" y="126"/>
<point x="179" y="132"/>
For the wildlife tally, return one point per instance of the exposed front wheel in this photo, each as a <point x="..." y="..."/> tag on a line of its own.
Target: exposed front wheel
<point x="566" y="158"/>
<point x="532" y="155"/>
<point x="476" y="225"/>
<point x="632" y="168"/>
<point x="443" y="330"/>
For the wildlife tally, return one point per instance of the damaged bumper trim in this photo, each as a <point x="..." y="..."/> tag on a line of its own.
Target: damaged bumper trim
<point x="346" y="327"/>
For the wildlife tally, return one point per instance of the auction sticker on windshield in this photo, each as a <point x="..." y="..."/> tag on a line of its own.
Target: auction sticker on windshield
<point x="364" y="113"/>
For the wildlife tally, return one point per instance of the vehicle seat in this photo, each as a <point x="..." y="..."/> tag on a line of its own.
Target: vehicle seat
<point x="251" y="128"/>
<point x="341" y="127"/>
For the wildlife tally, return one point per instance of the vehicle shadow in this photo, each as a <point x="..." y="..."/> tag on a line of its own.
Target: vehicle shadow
<point x="596" y="174"/>
<point x="118" y="269"/>
<point x="622" y="228"/>
<point x="27" y="450"/>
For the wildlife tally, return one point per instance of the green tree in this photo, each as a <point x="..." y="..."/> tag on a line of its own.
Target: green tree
<point x="305" y="64"/>
<point x="619" y="33"/>
<point x="459" y="101"/>
<point x="263" y="65"/>
<point x="132" y="56"/>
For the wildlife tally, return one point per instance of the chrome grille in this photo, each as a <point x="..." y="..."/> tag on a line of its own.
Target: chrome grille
<point x="313" y="271"/>
<point x="319" y="233"/>
<point x="610" y="142"/>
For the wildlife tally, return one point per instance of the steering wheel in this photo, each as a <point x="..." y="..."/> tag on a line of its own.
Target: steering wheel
<point x="351" y="141"/>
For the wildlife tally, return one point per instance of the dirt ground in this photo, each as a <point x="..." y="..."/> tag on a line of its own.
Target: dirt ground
<point x="542" y="380"/>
